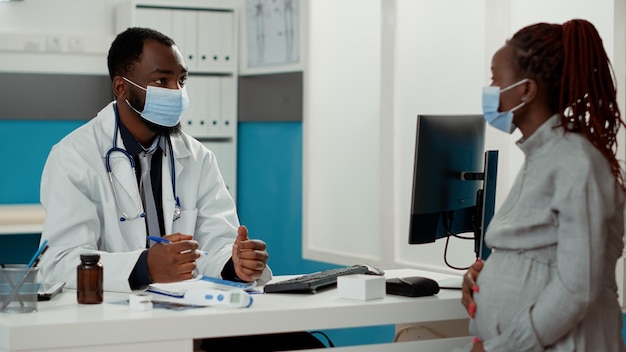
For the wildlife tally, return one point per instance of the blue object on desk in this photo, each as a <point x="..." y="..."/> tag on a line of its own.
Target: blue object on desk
<point x="175" y="294"/>
<point x="242" y="285"/>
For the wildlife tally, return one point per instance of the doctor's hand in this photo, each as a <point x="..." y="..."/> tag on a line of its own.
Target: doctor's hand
<point x="249" y="256"/>
<point x="173" y="261"/>
<point x="469" y="287"/>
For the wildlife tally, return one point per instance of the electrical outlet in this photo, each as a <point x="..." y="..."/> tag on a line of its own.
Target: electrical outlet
<point x="33" y="43"/>
<point x="54" y="43"/>
<point x="75" y="44"/>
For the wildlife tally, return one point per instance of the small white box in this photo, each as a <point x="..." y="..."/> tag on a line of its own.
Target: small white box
<point x="361" y="286"/>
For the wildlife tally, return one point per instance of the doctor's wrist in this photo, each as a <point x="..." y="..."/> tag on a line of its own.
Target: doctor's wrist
<point x="228" y="272"/>
<point x="139" y="278"/>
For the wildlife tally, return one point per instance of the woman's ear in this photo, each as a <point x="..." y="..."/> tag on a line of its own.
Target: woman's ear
<point x="530" y="91"/>
<point x="119" y="88"/>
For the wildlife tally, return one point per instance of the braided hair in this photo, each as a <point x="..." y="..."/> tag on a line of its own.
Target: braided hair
<point x="569" y="62"/>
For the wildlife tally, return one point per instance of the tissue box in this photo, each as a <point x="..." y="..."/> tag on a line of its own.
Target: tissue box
<point x="361" y="287"/>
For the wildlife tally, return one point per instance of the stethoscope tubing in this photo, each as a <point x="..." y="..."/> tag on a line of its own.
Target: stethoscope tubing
<point x="107" y="162"/>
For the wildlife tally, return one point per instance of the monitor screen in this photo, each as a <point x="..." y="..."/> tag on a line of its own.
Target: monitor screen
<point x="449" y="179"/>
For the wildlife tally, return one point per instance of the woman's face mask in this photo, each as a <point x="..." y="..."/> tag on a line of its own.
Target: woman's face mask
<point x="163" y="106"/>
<point x="491" y="102"/>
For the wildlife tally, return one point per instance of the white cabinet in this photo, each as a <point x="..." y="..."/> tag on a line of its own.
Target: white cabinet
<point x="212" y="107"/>
<point x="216" y="48"/>
<point x="206" y="34"/>
<point x="206" y="39"/>
<point x="227" y="162"/>
<point x="185" y="33"/>
<point x="159" y="19"/>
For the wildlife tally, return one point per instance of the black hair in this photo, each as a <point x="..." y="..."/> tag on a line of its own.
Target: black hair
<point x="127" y="47"/>
<point x="569" y="60"/>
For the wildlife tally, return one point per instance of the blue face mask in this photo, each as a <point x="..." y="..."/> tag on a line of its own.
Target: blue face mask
<point x="491" y="102"/>
<point x="163" y="106"/>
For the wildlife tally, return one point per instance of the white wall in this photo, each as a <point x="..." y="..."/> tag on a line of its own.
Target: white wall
<point x="91" y="21"/>
<point x="341" y="120"/>
<point x="439" y="67"/>
<point x="58" y="16"/>
<point x="360" y="138"/>
<point x="360" y="108"/>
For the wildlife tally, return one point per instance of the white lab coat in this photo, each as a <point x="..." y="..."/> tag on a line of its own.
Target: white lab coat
<point x="82" y="215"/>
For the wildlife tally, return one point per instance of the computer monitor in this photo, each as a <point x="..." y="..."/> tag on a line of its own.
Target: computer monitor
<point x="454" y="180"/>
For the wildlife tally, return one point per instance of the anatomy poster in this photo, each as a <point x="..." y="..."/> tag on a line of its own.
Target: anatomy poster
<point x="273" y="34"/>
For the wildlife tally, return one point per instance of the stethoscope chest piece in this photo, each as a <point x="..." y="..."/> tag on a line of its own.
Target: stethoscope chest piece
<point x="177" y="210"/>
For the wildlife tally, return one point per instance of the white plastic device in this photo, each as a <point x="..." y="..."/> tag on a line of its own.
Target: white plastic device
<point x="234" y="298"/>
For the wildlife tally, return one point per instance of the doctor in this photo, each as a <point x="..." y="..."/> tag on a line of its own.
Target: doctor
<point x="94" y="200"/>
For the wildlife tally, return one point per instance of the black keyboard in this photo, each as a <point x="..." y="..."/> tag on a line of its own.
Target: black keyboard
<point x="311" y="283"/>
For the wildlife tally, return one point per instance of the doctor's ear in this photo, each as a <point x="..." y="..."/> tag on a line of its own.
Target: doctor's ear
<point x="119" y="87"/>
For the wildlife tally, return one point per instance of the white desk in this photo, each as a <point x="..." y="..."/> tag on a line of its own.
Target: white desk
<point x="63" y="325"/>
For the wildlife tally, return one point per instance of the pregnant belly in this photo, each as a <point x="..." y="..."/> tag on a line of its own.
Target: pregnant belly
<point x="508" y="282"/>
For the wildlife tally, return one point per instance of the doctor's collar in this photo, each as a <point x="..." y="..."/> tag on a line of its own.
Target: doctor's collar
<point x="133" y="146"/>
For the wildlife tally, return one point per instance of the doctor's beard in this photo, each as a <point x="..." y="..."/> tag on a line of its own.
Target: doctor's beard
<point x="162" y="130"/>
<point x="136" y="103"/>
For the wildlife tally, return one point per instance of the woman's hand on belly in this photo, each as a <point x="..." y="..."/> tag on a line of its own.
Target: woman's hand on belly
<point x="469" y="287"/>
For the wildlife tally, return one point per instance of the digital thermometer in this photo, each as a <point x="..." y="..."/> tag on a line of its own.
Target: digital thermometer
<point x="234" y="298"/>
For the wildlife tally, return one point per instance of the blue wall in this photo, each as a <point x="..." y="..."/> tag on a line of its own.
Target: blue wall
<point x="25" y="146"/>
<point x="269" y="188"/>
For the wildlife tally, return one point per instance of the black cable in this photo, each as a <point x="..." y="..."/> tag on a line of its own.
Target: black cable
<point x="462" y="237"/>
<point x="448" y="227"/>
<point x="445" y="257"/>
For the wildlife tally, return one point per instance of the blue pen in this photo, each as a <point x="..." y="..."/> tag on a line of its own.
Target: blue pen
<point x="159" y="239"/>
<point x="165" y="240"/>
<point x="42" y="248"/>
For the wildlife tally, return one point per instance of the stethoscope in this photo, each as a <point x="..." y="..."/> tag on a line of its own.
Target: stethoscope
<point x="139" y="214"/>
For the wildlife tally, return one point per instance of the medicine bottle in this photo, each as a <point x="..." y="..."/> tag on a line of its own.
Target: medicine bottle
<point x="89" y="279"/>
